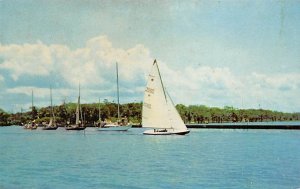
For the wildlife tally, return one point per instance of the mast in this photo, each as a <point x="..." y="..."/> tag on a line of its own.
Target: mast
<point x="52" y="111"/>
<point x="21" y="115"/>
<point x="51" y="99"/>
<point x="99" y="113"/>
<point x="32" y="104"/>
<point x="118" y="90"/>
<point x="80" y="110"/>
<point x="161" y="80"/>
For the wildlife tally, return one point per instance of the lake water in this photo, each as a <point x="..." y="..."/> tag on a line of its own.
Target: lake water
<point x="203" y="159"/>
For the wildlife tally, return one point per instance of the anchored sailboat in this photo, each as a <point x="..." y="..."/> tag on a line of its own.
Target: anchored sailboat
<point x="159" y="111"/>
<point x="52" y="123"/>
<point x="122" y="124"/>
<point x="31" y="125"/>
<point x="78" y="124"/>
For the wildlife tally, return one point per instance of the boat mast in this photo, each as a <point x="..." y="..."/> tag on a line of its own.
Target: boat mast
<point x="52" y="111"/>
<point x="160" y="80"/>
<point x="80" y="110"/>
<point x="118" y="90"/>
<point x="32" y="103"/>
<point x="99" y="113"/>
<point x="51" y="99"/>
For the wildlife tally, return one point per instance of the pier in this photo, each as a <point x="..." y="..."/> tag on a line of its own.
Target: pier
<point x="242" y="125"/>
<point x="248" y="125"/>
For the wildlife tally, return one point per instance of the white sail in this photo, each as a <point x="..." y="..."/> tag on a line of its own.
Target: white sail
<point x="158" y="108"/>
<point x="155" y="108"/>
<point x="176" y="121"/>
<point x="50" y="122"/>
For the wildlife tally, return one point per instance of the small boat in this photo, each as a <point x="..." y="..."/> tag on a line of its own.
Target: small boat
<point x="75" y="127"/>
<point x="31" y="125"/>
<point x="159" y="111"/>
<point x="52" y="124"/>
<point x="121" y="124"/>
<point x="78" y="124"/>
<point x="115" y="127"/>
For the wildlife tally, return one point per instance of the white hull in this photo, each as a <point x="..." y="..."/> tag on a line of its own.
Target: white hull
<point x="114" y="128"/>
<point x="165" y="132"/>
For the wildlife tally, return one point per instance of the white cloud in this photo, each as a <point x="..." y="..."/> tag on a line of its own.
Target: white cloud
<point x="215" y="86"/>
<point x="27" y="59"/>
<point x="94" y="67"/>
<point x="90" y="65"/>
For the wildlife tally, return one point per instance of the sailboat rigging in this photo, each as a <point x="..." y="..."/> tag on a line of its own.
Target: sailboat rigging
<point x="79" y="125"/>
<point x="159" y="112"/>
<point x="121" y="125"/>
<point x="31" y="125"/>
<point x="52" y="123"/>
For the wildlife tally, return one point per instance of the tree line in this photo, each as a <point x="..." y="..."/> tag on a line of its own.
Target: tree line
<point x="133" y="112"/>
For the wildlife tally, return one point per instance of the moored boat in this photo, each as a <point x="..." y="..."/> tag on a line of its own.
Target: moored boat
<point x="121" y="124"/>
<point x="52" y="123"/>
<point x="78" y="123"/>
<point x="31" y="125"/>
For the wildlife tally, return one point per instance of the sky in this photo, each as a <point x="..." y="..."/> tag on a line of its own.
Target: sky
<point x="243" y="54"/>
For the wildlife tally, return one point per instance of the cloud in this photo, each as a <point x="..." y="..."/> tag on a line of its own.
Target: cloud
<point x="94" y="64"/>
<point x="38" y="65"/>
<point x="27" y="59"/>
<point x="219" y="86"/>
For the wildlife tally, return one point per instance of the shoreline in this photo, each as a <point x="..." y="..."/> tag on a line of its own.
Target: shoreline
<point x="292" y="125"/>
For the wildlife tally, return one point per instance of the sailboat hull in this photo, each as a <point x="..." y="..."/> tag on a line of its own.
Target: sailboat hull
<point x="114" y="128"/>
<point x="75" y="127"/>
<point x="50" y="128"/>
<point x="183" y="133"/>
<point x="165" y="132"/>
<point x="31" y="128"/>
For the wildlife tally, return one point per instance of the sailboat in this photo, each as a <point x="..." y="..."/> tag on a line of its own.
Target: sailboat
<point x="78" y="124"/>
<point x="121" y="125"/>
<point x="52" y="124"/>
<point x="31" y="125"/>
<point x="159" y="111"/>
<point x="99" y="123"/>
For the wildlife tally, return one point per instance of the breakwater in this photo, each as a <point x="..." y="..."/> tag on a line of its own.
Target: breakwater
<point x="248" y="125"/>
<point x="292" y="125"/>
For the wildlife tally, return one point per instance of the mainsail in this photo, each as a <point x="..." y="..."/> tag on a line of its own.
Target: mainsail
<point x="155" y="110"/>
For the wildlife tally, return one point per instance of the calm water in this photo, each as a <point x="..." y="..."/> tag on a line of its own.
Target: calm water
<point x="203" y="159"/>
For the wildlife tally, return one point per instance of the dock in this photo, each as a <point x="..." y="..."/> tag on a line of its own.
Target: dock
<point x="242" y="125"/>
<point x="247" y="125"/>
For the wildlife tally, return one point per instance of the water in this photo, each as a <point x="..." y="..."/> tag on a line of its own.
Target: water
<point x="203" y="159"/>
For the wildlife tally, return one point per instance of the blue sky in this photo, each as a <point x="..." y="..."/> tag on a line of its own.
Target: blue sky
<point x="217" y="53"/>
